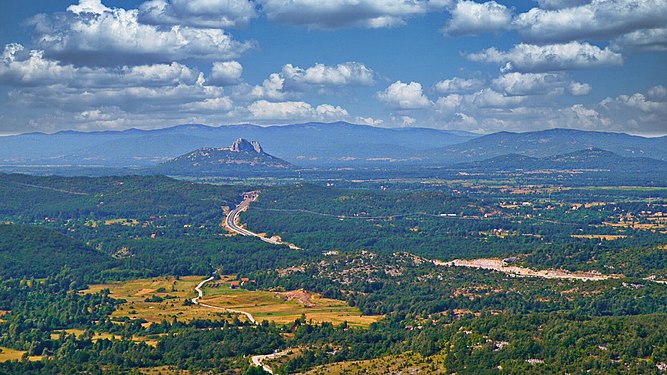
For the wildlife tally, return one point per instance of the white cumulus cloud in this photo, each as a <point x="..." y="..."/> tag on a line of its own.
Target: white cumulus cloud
<point x="488" y="98"/>
<point x="225" y="73"/>
<point x="657" y="93"/>
<point x="345" y="74"/>
<point x="88" y="6"/>
<point x="22" y="67"/>
<point x="585" y="117"/>
<point x="641" y="102"/>
<point x="90" y="35"/>
<point x="221" y="104"/>
<point x="198" y="13"/>
<point x="559" y="4"/>
<point x="265" y="110"/>
<point x="347" y="13"/>
<point x="293" y="80"/>
<point x="449" y="103"/>
<point x="401" y="95"/>
<point x="642" y="40"/>
<point x="457" y="85"/>
<point x="539" y="84"/>
<point x="600" y="19"/>
<point x="551" y="57"/>
<point x="579" y="89"/>
<point x="271" y="88"/>
<point x="471" y="18"/>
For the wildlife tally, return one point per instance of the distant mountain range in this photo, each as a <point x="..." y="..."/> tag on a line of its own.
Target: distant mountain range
<point x="307" y="144"/>
<point x="312" y="145"/>
<point x="588" y="159"/>
<point x="242" y="155"/>
<point x="550" y="142"/>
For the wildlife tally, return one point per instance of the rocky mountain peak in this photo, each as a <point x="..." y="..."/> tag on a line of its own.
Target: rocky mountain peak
<point x="242" y="155"/>
<point x="243" y="145"/>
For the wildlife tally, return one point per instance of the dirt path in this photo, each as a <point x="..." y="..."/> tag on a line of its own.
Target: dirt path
<point x="200" y="295"/>
<point x="498" y="265"/>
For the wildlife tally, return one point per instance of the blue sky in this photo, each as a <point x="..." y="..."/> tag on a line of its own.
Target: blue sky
<point x="446" y="64"/>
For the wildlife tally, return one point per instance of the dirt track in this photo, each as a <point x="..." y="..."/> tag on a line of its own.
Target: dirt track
<point x="497" y="265"/>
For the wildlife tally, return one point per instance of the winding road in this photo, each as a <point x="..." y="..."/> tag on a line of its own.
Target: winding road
<point x="233" y="218"/>
<point x="258" y="360"/>
<point x="200" y="294"/>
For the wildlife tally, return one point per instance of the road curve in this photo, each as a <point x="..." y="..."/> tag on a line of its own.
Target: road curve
<point x="200" y="294"/>
<point x="233" y="217"/>
<point x="258" y="360"/>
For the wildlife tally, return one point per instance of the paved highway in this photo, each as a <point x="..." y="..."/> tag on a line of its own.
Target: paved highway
<point x="258" y="360"/>
<point x="233" y="217"/>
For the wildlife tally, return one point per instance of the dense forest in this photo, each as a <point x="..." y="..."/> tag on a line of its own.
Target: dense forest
<point x="369" y="243"/>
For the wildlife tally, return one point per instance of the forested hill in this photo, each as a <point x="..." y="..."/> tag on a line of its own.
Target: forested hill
<point x="30" y="251"/>
<point x="139" y="197"/>
<point x="592" y="158"/>
<point x="547" y="143"/>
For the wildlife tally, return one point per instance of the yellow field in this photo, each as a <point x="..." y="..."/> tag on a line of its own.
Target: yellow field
<point x="282" y="307"/>
<point x="285" y="307"/>
<point x="127" y="222"/>
<point x="136" y="291"/>
<point x="406" y="363"/>
<point x="7" y="354"/>
<point x="102" y="336"/>
<point x="608" y="237"/>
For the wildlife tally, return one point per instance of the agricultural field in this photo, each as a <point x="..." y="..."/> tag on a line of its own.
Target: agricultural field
<point x="8" y="354"/>
<point x="163" y="298"/>
<point x="286" y="307"/>
<point x="157" y="299"/>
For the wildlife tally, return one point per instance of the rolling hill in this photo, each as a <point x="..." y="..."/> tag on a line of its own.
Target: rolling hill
<point x="587" y="159"/>
<point x="30" y="251"/>
<point x="547" y="143"/>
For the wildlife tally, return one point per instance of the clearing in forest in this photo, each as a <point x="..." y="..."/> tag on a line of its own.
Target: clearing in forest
<point x="284" y="307"/>
<point x="163" y="298"/>
<point x="157" y="299"/>
<point x="7" y="354"/>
